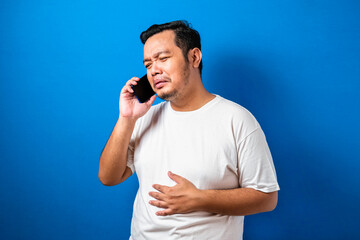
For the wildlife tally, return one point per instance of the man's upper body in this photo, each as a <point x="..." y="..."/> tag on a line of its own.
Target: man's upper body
<point x="217" y="147"/>
<point x="214" y="152"/>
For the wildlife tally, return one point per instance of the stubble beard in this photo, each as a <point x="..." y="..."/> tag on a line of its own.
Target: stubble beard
<point x="175" y="93"/>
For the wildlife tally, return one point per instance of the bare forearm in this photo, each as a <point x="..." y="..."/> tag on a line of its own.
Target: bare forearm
<point x="184" y="197"/>
<point x="240" y="201"/>
<point x="113" y="158"/>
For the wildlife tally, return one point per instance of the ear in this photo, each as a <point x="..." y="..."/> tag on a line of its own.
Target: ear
<point x="195" y="57"/>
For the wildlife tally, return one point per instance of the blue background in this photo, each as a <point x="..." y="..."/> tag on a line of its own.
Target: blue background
<point x="294" y="64"/>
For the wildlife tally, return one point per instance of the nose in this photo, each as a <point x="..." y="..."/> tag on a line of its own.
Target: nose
<point x="155" y="68"/>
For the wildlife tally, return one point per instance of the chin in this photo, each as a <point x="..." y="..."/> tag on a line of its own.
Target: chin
<point x="167" y="96"/>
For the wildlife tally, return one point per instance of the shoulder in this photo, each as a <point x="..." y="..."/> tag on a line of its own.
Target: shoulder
<point x="236" y="112"/>
<point x="238" y="117"/>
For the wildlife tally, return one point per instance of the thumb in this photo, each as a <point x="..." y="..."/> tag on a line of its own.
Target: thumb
<point x="151" y="101"/>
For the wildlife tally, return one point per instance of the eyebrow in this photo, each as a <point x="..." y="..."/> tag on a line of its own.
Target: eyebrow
<point x="156" y="55"/>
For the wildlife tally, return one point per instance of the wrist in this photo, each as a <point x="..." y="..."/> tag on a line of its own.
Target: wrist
<point x="126" y="123"/>
<point x="201" y="199"/>
<point x="127" y="120"/>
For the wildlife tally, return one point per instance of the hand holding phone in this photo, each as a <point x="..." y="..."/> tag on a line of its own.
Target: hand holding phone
<point x="143" y="90"/>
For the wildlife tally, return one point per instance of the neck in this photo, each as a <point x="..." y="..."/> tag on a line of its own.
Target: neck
<point x="194" y="98"/>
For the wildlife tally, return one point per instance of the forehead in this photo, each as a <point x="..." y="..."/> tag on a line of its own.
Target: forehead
<point x="160" y="42"/>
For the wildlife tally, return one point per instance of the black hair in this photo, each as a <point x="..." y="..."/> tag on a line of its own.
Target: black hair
<point x="186" y="38"/>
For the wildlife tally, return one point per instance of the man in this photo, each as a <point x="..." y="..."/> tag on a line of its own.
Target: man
<point x="202" y="161"/>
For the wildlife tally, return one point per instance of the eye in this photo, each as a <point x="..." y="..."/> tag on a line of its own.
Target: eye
<point x="164" y="58"/>
<point x="148" y="65"/>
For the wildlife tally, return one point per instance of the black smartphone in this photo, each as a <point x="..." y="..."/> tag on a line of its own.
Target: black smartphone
<point x="142" y="89"/>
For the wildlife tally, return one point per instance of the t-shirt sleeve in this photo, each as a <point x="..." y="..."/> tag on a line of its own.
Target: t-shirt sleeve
<point x="139" y="126"/>
<point x="256" y="167"/>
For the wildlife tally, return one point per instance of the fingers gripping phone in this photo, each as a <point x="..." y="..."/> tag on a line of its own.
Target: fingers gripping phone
<point x="143" y="90"/>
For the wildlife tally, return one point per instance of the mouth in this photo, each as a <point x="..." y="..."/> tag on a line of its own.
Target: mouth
<point x="160" y="83"/>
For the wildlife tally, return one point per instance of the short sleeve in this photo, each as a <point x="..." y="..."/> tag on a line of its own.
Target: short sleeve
<point x="256" y="167"/>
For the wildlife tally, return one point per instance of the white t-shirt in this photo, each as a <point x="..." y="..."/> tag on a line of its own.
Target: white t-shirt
<point x="219" y="146"/>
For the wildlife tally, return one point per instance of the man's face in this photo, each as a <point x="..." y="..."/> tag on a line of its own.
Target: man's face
<point x="167" y="70"/>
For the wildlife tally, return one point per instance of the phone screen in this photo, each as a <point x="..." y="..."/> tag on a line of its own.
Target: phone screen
<point x="143" y="90"/>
